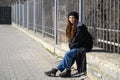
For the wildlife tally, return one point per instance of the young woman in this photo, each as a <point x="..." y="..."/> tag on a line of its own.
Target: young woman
<point x="80" y="41"/>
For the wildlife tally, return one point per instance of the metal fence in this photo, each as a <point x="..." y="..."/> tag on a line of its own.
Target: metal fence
<point x="48" y="17"/>
<point x="103" y="19"/>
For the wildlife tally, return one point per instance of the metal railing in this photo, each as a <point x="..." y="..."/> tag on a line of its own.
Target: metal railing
<point x="102" y="17"/>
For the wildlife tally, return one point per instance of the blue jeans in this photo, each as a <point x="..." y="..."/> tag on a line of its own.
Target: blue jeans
<point x="67" y="61"/>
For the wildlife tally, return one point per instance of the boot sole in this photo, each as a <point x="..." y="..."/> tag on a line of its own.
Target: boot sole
<point x="50" y="75"/>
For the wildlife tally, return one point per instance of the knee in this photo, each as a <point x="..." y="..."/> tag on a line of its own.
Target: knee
<point x="71" y="53"/>
<point x="67" y="53"/>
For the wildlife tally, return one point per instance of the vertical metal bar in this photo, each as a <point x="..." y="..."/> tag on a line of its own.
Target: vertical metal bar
<point x="55" y="21"/>
<point x="16" y="12"/>
<point x="100" y="24"/>
<point x="107" y="24"/>
<point x="114" y="50"/>
<point x="13" y="13"/>
<point x="118" y="26"/>
<point x="91" y="18"/>
<point x="17" y="16"/>
<point x="80" y="10"/>
<point x="85" y="14"/>
<point x="12" y="10"/>
<point x="23" y="15"/>
<point x="83" y="11"/>
<point x="89" y="15"/>
<point x="19" y="12"/>
<point x="103" y="22"/>
<point x="94" y="18"/>
<point x="110" y="27"/>
<point x="34" y="15"/>
<point x="97" y="25"/>
<point x="43" y="27"/>
<point x="28" y="14"/>
<point x="95" y="22"/>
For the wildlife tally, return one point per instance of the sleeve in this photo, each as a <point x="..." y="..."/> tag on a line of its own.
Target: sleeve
<point x="77" y="40"/>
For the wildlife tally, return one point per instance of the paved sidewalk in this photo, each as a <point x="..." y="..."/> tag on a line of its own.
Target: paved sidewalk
<point x="22" y="58"/>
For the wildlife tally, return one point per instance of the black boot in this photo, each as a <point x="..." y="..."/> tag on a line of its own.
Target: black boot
<point x="82" y="73"/>
<point x="51" y="73"/>
<point x="67" y="73"/>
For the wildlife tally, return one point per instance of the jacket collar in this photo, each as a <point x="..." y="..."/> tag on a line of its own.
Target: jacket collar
<point x="79" y="24"/>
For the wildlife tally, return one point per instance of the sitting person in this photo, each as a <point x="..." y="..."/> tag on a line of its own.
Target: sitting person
<point x="80" y="41"/>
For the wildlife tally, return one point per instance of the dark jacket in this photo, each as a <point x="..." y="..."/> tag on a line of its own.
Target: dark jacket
<point x="82" y="38"/>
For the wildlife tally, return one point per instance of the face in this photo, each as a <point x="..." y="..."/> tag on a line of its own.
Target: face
<point x="72" y="19"/>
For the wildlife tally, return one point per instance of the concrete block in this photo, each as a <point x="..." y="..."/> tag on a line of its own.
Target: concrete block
<point x="109" y="70"/>
<point x="94" y="71"/>
<point x="118" y="76"/>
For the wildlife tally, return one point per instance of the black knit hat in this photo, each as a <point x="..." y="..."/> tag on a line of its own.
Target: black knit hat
<point x="75" y="14"/>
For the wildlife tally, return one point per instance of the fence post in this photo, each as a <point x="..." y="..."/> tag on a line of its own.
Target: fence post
<point x="16" y="13"/>
<point x="83" y="10"/>
<point x="13" y="12"/>
<point x="94" y="22"/>
<point x="28" y="14"/>
<point x="118" y="27"/>
<point x="23" y="15"/>
<point x="80" y="10"/>
<point x="13" y="9"/>
<point x="55" y="21"/>
<point x="34" y="13"/>
<point x="43" y="27"/>
<point x="19" y="13"/>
